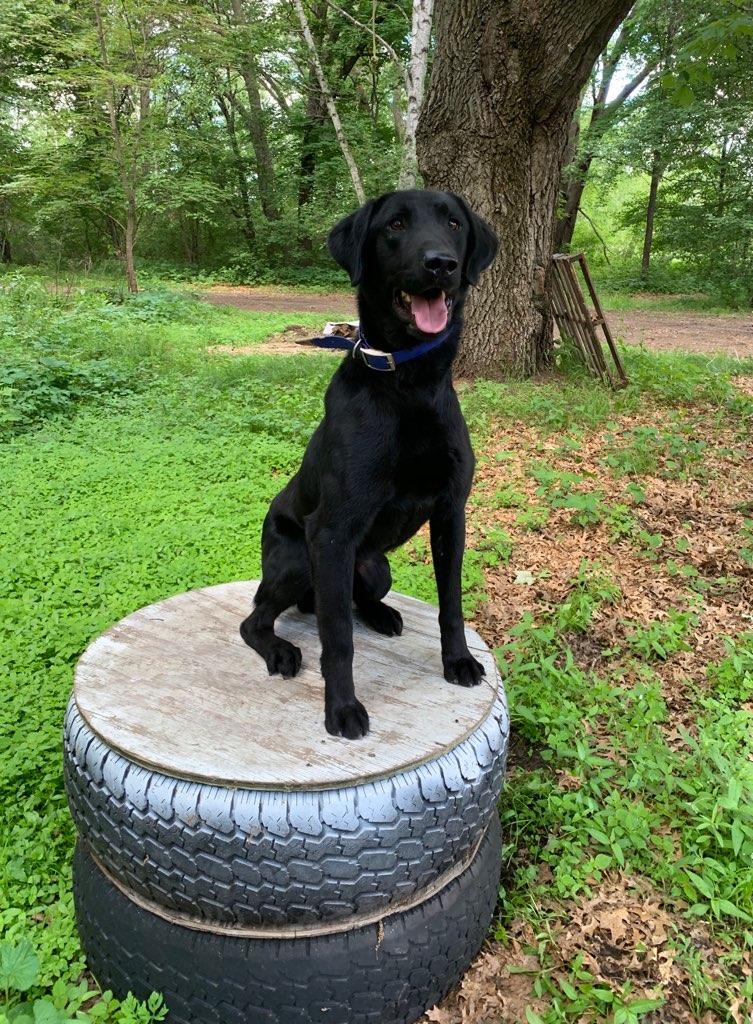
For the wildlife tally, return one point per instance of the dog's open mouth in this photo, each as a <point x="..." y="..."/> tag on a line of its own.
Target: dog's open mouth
<point x="429" y="312"/>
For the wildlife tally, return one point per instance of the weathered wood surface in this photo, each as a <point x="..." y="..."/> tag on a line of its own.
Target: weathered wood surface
<point x="174" y="687"/>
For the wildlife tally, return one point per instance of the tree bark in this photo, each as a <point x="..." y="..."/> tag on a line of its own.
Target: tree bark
<point x="603" y="114"/>
<point x="506" y="82"/>
<point x="130" y="243"/>
<point x="722" y="181"/>
<point x="316" y="115"/>
<point x="127" y="256"/>
<point x="244" y="214"/>
<point x="5" y="250"/>
<point x="657" y="169"/>
<point x="254" y="117"/>
<point x="423" y="11"/>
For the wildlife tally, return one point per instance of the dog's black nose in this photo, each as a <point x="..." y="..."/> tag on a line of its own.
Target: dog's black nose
<point x="440" y="262"/>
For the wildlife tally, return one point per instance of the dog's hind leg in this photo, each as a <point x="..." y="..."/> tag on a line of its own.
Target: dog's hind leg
<point x="371" y="581"/>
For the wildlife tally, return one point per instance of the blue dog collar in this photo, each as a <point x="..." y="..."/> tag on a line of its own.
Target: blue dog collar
<point x="374" y="358"/>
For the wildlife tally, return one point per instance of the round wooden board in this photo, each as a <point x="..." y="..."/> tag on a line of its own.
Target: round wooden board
<point x="174" y="688"/>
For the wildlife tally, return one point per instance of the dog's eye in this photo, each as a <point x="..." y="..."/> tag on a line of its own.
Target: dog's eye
<point x="454" y="224"/>
<point x="397" y="224"/>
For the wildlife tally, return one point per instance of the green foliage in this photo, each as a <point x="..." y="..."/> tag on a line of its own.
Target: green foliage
<point x="132" y="494"/>
<point x="732" y="677"/>
<point x="19" y="972"/>
<point x="683" y="818"/>
<point x="590" y="588"/>
<point x="643" y="450"/>
<point x="663" y="637"/>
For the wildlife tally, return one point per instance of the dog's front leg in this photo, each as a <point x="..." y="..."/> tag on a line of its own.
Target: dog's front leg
<point x="447" y="526"/>
<point x="333" y="554"/>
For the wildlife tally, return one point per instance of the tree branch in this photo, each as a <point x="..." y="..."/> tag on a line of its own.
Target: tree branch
<point x="632" y="85"/>
<point x="595" y="230"/>
<point x="380" y="39"/>
<point x="274" y="90"/>
<point x="355" y="175"/>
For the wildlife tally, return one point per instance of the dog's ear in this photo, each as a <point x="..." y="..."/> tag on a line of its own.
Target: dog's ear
<point x="347" y="239"/>
<point x="482" y="245"/>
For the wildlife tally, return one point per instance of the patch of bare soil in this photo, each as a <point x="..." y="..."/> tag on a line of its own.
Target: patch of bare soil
<point x="332" y="305"/>
<point x="731" y="335"/>
<point x="688" y="332"/>
<point x="293" y="341"/>
<point x="744" y="384"/>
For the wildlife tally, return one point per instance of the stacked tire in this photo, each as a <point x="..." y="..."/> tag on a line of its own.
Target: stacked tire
<point x="362" y="903"/>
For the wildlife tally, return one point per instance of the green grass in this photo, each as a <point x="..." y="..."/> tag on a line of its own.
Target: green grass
<point x="135" y="466"/>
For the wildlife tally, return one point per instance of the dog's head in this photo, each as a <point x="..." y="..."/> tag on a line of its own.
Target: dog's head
<point x="413" y="256"/>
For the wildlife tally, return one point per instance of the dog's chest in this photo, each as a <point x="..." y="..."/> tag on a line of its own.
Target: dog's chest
<point x="424" y="458"/>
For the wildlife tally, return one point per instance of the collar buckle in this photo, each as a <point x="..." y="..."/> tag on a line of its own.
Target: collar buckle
<point x="370" y="355"/>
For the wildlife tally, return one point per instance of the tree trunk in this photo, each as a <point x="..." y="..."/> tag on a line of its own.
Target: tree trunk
<point x="316" y="115"/>
<point x="423" y="11"/>
<point x="722" y="185"/>
<point x="244" y="214"/>
<point x="495" y="128"/>
<point x="355" y="175"/>
<point x="125" y="170"/>
<point x="568" y="202"/>
<point x="5" y="251"/>
<point x="130" y="242"/>
<point x="603" y="115"/>
<point x="657" y="169"/>
<point x="254" y="116"/>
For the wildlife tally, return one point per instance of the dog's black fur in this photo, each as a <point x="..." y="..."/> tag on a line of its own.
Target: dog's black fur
<point x="391" y="453"/>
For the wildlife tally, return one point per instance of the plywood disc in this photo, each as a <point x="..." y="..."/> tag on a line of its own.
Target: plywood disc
<point x="174" y="688"/>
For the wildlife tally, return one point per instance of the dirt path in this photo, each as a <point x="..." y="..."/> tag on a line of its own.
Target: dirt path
<point x="280" y="300"/>
<point x="691" y="332"/>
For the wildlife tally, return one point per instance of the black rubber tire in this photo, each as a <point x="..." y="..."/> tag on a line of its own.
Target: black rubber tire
<point x="253" y="857"/>
<point x="386" y="973"/>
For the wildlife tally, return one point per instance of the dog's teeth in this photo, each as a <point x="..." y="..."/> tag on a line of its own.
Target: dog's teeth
<point x="405" y="297"/>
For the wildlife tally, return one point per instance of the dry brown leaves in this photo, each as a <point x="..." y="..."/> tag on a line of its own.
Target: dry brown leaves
<point x="624" y="933"/>
<point x="698" y="520"/>
<point x="744" y="384"/>
<point x="498" y="986"/>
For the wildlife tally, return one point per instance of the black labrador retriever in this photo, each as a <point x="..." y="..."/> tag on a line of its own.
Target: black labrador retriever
<point x="391" y="452"/>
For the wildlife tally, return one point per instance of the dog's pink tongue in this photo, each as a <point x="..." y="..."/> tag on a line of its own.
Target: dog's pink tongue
<point x="430" y="314"/>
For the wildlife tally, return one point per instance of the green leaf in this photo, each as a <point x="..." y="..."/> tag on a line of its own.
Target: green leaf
<point x="725" y="907"/>
<point x="532" y="1017"/>
<point x="645" y="1005"/>
<point x="19" y="966"/>
<point x="21" y="1013"/>
<point x="698" y="909"/>
<point x="568" y="989"/>
<point x="683" y="96"/>
<point x="606" y="995"/>
<point x="737" y="837"/>
<point x="598" y="835"/>
<point x="46" y="1013"/>
<point x="701" y="884"/>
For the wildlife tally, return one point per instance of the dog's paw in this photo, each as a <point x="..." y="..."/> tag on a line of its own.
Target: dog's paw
<point x="465" y="671"/>
<point x="383" y="619"/>
<point x="283" y="658"/>
<point x="348" y="720"/>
